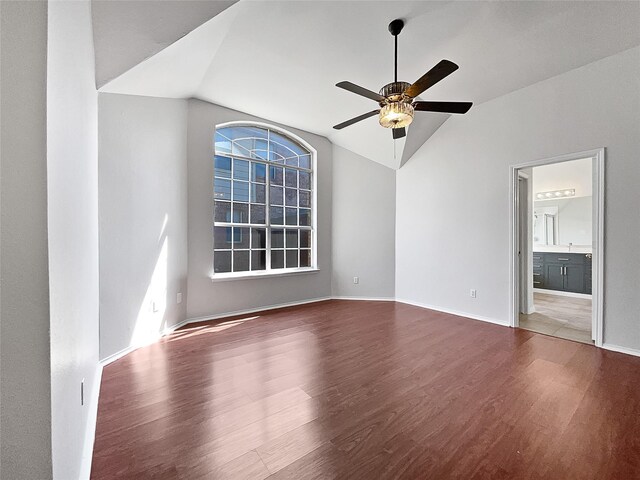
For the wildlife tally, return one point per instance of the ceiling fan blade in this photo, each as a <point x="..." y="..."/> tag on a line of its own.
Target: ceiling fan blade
<point x="398" y="133"/>
<point x="356" y="119"/>
<point x="443" y="69"/>
<point x="352" y="87"/>
<point x="442" y="107"/>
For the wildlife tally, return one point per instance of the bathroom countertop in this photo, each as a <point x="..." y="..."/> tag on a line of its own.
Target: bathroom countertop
<point x="562" y="249"/>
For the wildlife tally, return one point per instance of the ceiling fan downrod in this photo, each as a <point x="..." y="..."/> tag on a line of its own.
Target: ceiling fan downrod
<point x="395" y="27"/>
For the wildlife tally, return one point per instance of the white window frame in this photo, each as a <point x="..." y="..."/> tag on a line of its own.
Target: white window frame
<point x="269" y="272"/>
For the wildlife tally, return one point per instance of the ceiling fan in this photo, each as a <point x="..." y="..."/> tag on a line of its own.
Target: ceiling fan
<point x="396" y="99"/>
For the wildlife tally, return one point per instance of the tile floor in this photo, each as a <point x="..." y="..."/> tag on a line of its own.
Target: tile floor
<point x="563" y="317"/>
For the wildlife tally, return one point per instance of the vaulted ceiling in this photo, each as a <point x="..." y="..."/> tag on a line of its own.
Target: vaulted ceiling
<point x="280" y="60"/>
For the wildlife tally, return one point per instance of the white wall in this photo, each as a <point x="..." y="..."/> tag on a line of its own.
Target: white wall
<point x="213" y="298"/>
<point x="143" y="218"/>
<point x="72" y="164"/>
<point x="363" y="232"/>
<point x="453" y="195"/>
<point x="25" y="406"/>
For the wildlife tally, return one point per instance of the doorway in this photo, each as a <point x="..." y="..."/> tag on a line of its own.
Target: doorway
<point x="556" y="246"/>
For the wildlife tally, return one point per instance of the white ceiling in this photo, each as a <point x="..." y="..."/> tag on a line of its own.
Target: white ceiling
<point x="280" y="60"/>
<point x="126" y="32"/>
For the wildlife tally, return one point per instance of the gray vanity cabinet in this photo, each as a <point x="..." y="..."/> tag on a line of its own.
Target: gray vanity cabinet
<point x="568" y="272"/>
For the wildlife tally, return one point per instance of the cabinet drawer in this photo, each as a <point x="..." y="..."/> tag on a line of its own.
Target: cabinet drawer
<point x="565" y="258"/>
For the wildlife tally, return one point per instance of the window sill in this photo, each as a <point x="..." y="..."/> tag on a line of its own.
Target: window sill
<point x="226" y="277"/>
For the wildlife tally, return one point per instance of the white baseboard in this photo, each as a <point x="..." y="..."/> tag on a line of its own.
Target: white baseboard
<point x="125" y="351"/>
<point x="560" y="293"/>
<point x="370" y="299"/>
<point x="616" y="348"/>
<point x="90" y="430"/>
<point x="454" y="312"/>
<point x="217" y="316"/>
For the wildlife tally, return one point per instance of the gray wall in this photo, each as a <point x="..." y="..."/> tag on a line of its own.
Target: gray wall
<point x="453" y="195"/>
<point x="211" y="298"/>
<point x="363" y="232"/>
<point x="25" y="373"/>
<point x="72" y="164"/>
<point x="143" y="218"/>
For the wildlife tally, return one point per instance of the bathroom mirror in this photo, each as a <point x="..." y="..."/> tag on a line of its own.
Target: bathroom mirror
<point x="565" y="221"/>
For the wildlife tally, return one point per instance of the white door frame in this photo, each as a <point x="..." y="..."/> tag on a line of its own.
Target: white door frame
<point x="598" y="156"/>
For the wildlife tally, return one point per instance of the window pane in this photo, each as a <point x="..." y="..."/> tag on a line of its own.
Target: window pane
<point x="292" y="238"/>
<point x="276" y="175"/>
<point x="305" y="180"/>
<point x="222" y="211"/>
<point x="258" y="259"/>
<point x="240" y="212"/>
<point x="221" y="261"/>
<point x="222" y="144"/>
<point x="291" y="161"/>
<point x="241" y="261"/>
<point x="277" y="215"/>
<point x="284" y="145"/>
<point x="277" y="238"/>
<point x="305" y="161"/>
<point x="240" y="191"/>
<point x="305" y="258"/>
<point x="305" y="217"/>
<point x="291" y="197"/>
<point x="223" y="167"/>
<point x="258" y="238"/>
<point x="258" y="193"/>
<point x="292" y="258"/>
<point x="240" y="238"/>
<point x="291" y="216"/>
<point x="234" y="132"/>
<point x="305" y="239"/>
<point x="240" y="169"/>
<point x="221" y="189"/>
<point x="276" y="196"/>
<point x="259" y="148"/>
<point x="258" y="172"/>
<point x="291" y="178"/>
<point x="222" y="237"/>
<point x="258" y="213"/>
<point x="304" y="198"/>
<point x="277" y="258"/>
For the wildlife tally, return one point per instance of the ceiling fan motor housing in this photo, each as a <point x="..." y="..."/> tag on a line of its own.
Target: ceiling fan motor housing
<point x="394" y="92"/>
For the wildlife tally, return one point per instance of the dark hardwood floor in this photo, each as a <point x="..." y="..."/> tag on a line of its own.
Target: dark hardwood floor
<point x="367" y="390"/>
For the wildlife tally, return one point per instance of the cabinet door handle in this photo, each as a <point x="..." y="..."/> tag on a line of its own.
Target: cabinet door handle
<point x="537" y="274"/>
<point x="565" y="259"/>
<point x="565" y="271"/>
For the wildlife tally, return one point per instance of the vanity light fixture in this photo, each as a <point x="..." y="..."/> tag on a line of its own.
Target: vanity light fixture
<point x="569" y="192"/>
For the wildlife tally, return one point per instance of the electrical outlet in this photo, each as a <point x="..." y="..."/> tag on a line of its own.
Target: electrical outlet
<point x="82" y="392"/>
<point x="356" y="280"/>
<point x="179" y="298"/>
<point x="473" y="293"/>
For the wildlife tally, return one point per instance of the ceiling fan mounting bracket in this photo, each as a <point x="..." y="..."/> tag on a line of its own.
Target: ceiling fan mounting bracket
<point x="395" y="27"/>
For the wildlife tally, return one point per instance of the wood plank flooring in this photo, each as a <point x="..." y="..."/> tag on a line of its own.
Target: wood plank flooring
<point x="367" y="390"/>
<point x="564" y="317"/>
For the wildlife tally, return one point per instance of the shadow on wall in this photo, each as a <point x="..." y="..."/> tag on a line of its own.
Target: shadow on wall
<point x="151" y="319"/>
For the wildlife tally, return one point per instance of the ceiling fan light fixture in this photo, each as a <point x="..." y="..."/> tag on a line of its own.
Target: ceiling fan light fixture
<point x="396" y="114"/>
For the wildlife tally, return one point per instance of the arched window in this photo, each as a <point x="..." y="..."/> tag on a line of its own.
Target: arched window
<point x="264" y="212"/>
